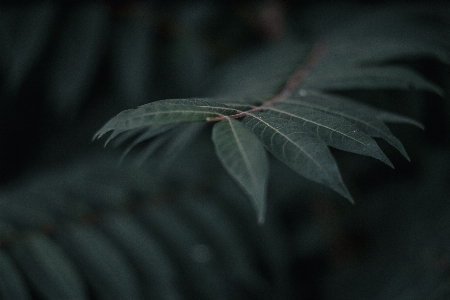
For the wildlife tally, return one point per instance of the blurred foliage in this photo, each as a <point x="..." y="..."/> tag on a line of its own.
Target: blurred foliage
<point x="74" y="224"/>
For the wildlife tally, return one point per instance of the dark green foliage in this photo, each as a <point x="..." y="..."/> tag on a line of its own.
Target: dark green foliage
<point x="113" y="243"/>
<point x="45" y="264"/>
<point x="244" y="158"/>
<point x="72" y="71"/>
<point x="12" y="283"/>
<point x="276" y="84"/>
<point x="297" y="118"/>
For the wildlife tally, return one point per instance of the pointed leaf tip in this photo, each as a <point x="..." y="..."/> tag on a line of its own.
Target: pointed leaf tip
<point x="369" y="120"/>
<point x="390" y="117"/>
<point x="165" y="112"/>
<point x="306" y="154"/>
<point x="352" y="201"/>
<point x="335" y="131"/>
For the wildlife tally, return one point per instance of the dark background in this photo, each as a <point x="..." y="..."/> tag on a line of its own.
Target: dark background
<point x="66" y="68"/>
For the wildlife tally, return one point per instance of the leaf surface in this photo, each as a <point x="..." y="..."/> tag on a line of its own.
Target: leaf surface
<point x="12" y="282"/>
<point x="166" y="112"/>
<point x="99" y="259"/>
<point x="370" y="50"/>
<point x="244" y="157"/>
<point x="180" y="138"/>
<point x="305" y="153"/>
<point x="46" y="264"/>
<point x="339" y="77"/>
<point x="335" y="131"/>
<point x="143" y="136"/>
<point x="369" y="120"/>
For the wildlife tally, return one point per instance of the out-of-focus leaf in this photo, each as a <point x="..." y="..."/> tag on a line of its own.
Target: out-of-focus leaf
<point x="259" y="75"/>
<point x="132" y="51"/>
<point x="180" y="140"/>
<point x="46" y="265"/>
<point x="184" y="244"/>
<point x="108" y="272"/>
<point x="24" y="32"/>
<point x="77" y="56"/>
<point x="370" y="49"/>
<point x="25" y="215"/>
<point x="340" y="77"/>
<point x="12" y="283"/>
<point x="146" y="254"/>
<point x="145" y="135"/>
<point x="231" y="248"/>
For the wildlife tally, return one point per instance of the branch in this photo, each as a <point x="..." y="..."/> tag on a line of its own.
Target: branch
<point x="315" y="54"/>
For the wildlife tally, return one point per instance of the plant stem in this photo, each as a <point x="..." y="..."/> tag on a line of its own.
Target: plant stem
<point x="314" y="55"/>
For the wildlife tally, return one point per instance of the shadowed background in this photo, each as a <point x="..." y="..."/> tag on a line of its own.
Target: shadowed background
<point x="74" y="223"/>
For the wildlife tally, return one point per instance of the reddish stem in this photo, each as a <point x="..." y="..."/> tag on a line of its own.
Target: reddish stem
<point x="316" y="53"/>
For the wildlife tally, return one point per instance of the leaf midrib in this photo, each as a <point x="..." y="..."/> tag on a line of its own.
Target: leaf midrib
<point x="298" y="146"/>
<point x="307" y="104"/>
<point x="318" y="124"/>
<point x="244" y="155"/>
<point x="161" y="112"/>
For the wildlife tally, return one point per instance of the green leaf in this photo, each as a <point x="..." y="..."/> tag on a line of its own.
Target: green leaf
<point x="369" y="120"/>
<point x="145" y="135"/>
<point x="166" y="112"/>
<point x="277" y="91"/>
<point x="76" y="56"/>
<point x="244" y="157"/>
<point x="180" y="138"/>
<point x="120" y="136"/>
<point x="334" y="130"/>
<point x="227" y="242"/>
<point x="261" y="74"/>
<point x="145" y="252"/>
<point x="305" y="153"/>
<point x="339" y="77"/>
<point x="389" y="117"/>
<point x="180" y="238"/>
<point x="105" y="267"/>
<point x="45" y="264"/>
<point x="384" y="49"/>
<point x="12" y="283"/>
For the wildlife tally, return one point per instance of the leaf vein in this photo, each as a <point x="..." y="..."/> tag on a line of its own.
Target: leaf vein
<point x="291" y="141"/>
<point x="317" y="124"/>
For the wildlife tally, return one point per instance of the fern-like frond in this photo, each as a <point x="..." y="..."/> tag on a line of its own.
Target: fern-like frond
<point x="99" y="231"/>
